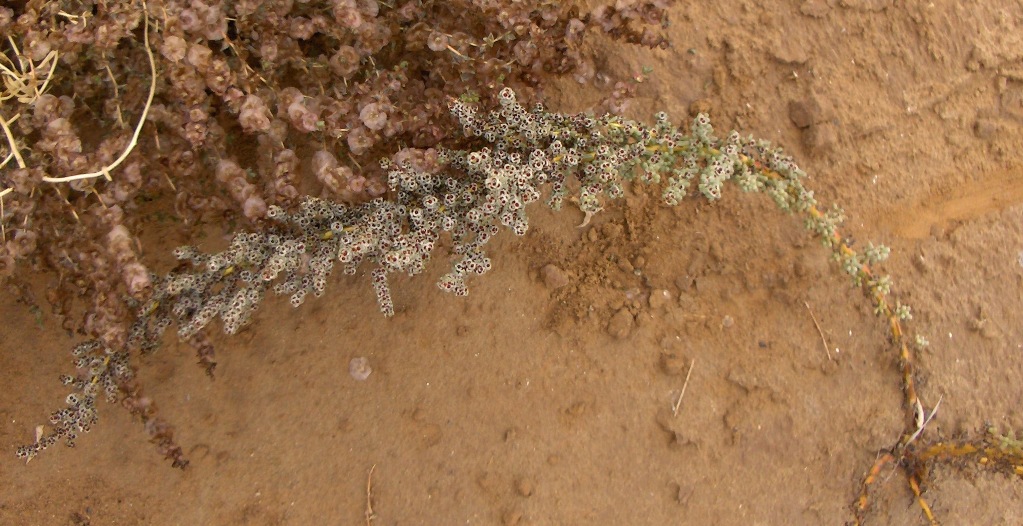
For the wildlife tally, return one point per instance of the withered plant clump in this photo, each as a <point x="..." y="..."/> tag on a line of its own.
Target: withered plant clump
<point x="227" y="111"/>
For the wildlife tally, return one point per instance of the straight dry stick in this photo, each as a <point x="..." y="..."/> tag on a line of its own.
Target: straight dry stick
<point x="819" y="331"/>
<point x="370" y="514"/>
<point x="678" y="403"/>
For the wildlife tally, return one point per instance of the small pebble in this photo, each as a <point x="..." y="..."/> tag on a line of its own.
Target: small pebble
<point x="524" y="487"/>
<point x="659" y="298"/>
<point x="621" y="324"/>
<point x="820" y="138"/>
<point x="512" y="517"/>
<point x="359" y="368"/>
<point x="673" y="364"/>
<point x="554" y="277"/>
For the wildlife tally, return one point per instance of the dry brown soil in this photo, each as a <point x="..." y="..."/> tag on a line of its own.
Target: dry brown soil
<point x="530" y="403"/>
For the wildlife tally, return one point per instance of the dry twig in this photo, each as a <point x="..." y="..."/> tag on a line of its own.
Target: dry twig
<point x="678" y="403"/>
<point x="370" y="514"/>
<point x="819" y="331"/>
<point x="922" y="419"/>
<point x="23" y="82"/>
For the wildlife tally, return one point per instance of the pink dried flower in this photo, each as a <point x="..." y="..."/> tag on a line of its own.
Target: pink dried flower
<point x="233" y="177"/>
<point x="585" y="71"/>
<point x="376" y="188"/>
<point x="198" y="114"/>
<point x="359" y="140"/>
<point x="80" y="33"/>
<point x="370" y="8"/>
<point x="374" y="39"/>
<point x="199" y="56"/>
<point x="189" y="20"/>
<point x="286" y="162"/>
<point x="409" y="12"/>
<point x="301" y="28"/>
<point x="301" y="117"/>
<point x="123" y="189"/>
<point x="119" y="241"/>
<point x="574" y="29"/>
<point x="219" y="76"/>
<point x="285" y="191"/>
<point x="23" y="244"/>
<point x="174" y="48"/>
<point x="334" y="114"/>
<point x="24" y="180"/>
<point x="346" y="14"/>
<point x="214" y="23"/>
<point x="195" y="133"/>
<point x="421" y="160"/>
<point x="322" y="163"/>
<point x="233" y="97"/>
<point x="345" y="62"/>
<point x="525" y="52"/>
<point x="278" y="131"/>
<point x="58" y="127"/>
<point x="286" y="97"/>
<point x="246" y="7"/>
<point x="327" y="171"/>
<point x="254" y="208"/>
<point x="268" y="50"/>
<point x="6" y="16"/>
<point x="136" y="277"/>
<point x="38" y="48"/>
<point x="227" y="170"/>
<point x="120" y="244"/>
<point x="437" y="41"/>
<point x="356" y="185"/>
<point x="374" y="116"/>
<point x="44" y="109"/>
<point x="112" y="215"/>
<point x="254" y="115"/>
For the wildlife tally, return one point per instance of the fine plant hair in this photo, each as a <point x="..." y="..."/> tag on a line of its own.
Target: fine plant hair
<point x="522" y="155"/>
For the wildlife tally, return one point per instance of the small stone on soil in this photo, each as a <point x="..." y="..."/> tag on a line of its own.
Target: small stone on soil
<point x="359" y="368"/>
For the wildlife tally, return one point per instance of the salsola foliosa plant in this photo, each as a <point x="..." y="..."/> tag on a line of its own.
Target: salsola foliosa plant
<point x="522" y="155"/>
<point x="339" y="82"/>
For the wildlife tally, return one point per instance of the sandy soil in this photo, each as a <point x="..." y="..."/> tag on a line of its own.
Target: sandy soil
<point x="547" y="395"/>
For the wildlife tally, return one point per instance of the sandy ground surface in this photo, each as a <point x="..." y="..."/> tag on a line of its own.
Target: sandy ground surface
<point x="547" y="396"/>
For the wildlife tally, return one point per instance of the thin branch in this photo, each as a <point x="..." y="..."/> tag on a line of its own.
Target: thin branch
<point x="819" y="331"/>
<point x="922" y="419"/>
<point x="678" y="403"/>
<point x="11" y="141"/>
<point x="3" y="226"/>
<point x="370" y="514"/>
